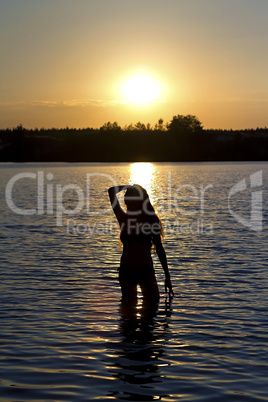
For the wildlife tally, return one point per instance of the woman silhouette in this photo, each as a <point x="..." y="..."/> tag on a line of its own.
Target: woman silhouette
<point x="140" y="229"/>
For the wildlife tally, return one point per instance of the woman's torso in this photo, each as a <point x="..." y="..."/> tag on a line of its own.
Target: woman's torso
<point x="137" y="243"/>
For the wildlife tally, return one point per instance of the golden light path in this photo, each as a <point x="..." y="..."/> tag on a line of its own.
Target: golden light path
<point x="143" y="173"/>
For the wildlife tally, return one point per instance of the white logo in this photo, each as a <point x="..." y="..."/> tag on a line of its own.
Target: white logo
<point x="255" y="221"/>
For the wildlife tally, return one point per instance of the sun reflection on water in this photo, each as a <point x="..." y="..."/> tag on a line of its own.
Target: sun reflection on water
<point x="143" y="173"/>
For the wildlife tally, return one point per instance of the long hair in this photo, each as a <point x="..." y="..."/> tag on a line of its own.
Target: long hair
<point x="143" y="205"/>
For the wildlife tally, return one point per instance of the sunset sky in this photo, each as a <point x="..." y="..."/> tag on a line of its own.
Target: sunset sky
<point x="81" y="63"/>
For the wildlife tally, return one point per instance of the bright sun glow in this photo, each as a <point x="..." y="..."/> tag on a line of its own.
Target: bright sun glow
<point x="141" y="89"/>
<point x="143" y="174"/>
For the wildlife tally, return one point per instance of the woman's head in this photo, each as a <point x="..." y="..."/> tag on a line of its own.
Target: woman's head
<point x="137" y="199"/>
<point x="138" y="203"/>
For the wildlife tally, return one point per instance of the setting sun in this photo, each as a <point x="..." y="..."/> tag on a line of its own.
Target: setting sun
<point x="141" y="89"/>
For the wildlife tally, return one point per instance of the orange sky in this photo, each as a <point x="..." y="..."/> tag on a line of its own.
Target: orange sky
<point x="64" y="62"/>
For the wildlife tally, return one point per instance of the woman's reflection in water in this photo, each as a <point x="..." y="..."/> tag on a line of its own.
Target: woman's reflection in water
<point x="137" y="323"/>
<point x="138" y="358"/>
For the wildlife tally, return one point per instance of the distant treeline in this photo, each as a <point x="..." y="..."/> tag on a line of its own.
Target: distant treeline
<point x="182" y="140"/>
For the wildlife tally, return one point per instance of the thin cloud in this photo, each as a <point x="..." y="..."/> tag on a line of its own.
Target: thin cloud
<point x="62" y="104"/>
<point x="66" y="104"/>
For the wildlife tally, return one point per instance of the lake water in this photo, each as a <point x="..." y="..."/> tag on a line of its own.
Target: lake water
<point x="63" y="337"/>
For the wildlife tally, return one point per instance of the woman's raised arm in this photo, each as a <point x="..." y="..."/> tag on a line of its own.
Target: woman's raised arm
<point x="118" y="211"/>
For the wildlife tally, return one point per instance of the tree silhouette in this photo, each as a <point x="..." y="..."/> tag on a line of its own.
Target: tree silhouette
<point x="140" y="126"/>
<point x="185" y="124"/>
<point x="180" y="140"/>
<point x="110" y="126"/>
<point x="160" y="125"/>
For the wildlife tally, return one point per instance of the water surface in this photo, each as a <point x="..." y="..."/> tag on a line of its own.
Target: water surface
<point x="63" y="336"/>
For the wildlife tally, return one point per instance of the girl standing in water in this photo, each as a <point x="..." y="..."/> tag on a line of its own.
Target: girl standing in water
<point x="140" y="229"/>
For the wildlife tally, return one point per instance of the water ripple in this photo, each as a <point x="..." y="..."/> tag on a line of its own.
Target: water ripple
<point x="64" y="338"/>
